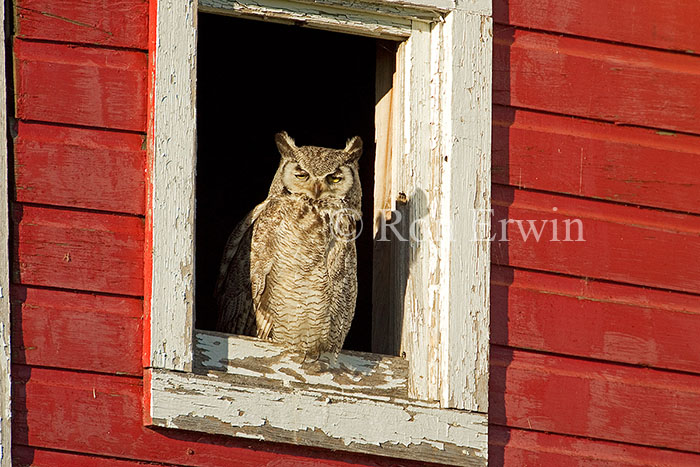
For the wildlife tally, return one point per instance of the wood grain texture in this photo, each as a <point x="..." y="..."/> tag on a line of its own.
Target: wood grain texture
<point x="61" y="329"/>
<point x="590" y="79"/>
<point x="78" y="250"/>
<point x="116" y="23"/>
<point x="514" y="447"/>
<point x="259" y="363"/>
<point x="386" y="324"/>
<point x="411" y="172"/>
<point x="599" y="400"/>
<point x="619" y="243"/>
<point x="26" y="456"/>
<point x="95" y="87"/>
<point x="171" y="168"/>
<point x="331" y="16"/>
<point x="92" y="169"/>
<point x="604" y="321"/>
<point x="596" y="160"/>
<point x="105" y="418"/>
<point x="648" y="23"/>
<point x="466" y="191"/>
<point x="315" y="417"/>
<point x="327" y="404"/>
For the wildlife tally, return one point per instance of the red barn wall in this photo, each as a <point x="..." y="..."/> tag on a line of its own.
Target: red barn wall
<point x="595" y="349"/>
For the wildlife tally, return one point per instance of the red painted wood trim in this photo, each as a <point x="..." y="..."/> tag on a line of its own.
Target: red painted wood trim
<point x="514" y="447"/>
<point x="30" y="456"/>
<point x="77" y="331"/>
<point x="599" y="400"/>
<point x="95" y="87"/>
<point x="148" y="235"/>
<point x="624" y="244"/>
<point x="93" y="169"/>
<point x="102" y="414"/>
<point x="78" y="250"/>
<point x="117" y="23"/>
<point x="586" y="318"/>
<point x="665" y="25"/>
<point x="596" y="80"/>
<point x="598" y="160"/>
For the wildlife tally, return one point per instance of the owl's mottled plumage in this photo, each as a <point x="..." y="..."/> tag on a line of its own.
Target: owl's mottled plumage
<point x="289" y="269"/>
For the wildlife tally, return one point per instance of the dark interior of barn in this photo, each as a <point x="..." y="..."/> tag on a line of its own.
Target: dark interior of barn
<point x="255" y="79"/>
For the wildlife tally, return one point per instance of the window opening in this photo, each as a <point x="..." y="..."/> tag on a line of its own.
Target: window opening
<point x="255" y="79"/>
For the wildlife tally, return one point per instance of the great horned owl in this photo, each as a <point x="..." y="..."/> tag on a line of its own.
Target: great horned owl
<point x="289" y="269"/>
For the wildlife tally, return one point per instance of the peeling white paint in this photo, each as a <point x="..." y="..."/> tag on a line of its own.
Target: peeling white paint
<point x="350" y="372"/>
<point x="173" y="158"/>
<point x="340" y="418"/>
<point x="253" y="389"/>
<point x="342" y="16"/>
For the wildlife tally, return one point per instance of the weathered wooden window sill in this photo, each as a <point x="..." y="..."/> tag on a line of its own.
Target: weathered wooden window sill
<point x="249" y="388"/>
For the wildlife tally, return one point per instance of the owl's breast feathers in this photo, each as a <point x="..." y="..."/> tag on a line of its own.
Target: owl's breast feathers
<point x="308" y="256"/>
<point x="289" y="274"/>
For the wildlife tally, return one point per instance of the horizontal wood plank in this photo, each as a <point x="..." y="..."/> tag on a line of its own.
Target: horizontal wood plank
<point x="603" y="321"/>
<point x="106" y="418"/>
<point x="93" y="169"/>
<point x="78" y="250"/>
<point x="596" y="240"/>
<point x="95" y="87"/>
<point x="259" y="363"/>
<point x="599" y="400"/>
<point x="597" y="80"/>
<point x="512" y="447"/>
<point x="405" y="429"/>
<point x="25" y="456"/>
<point x="63" y="329"/>
<point x="664" y="25"/>
<point x="116" y="23"/>
<point x="597" y="160"/>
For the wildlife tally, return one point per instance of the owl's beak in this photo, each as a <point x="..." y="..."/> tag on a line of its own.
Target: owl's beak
<point x="317" y="190"/>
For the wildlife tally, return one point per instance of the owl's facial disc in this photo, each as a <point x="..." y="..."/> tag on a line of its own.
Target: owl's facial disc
<point x="335" y="184"/>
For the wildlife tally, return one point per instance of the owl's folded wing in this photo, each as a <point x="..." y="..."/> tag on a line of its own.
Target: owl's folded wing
<point x="233" y="289"/>
<point x="263" y="243"/>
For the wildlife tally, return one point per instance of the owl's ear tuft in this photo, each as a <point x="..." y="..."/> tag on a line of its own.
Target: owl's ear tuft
<point x="286" y="145"/>
<point x="353" y="148"/>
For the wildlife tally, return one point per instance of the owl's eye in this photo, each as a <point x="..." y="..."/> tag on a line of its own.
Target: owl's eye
<point x="333" y="178"/>
<point x="301" y="175"/>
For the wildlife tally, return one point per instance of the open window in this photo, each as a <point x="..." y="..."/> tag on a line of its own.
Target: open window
<point x="420" y="90"/>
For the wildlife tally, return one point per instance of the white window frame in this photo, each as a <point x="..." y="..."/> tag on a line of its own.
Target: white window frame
<point x="431" y="404"/>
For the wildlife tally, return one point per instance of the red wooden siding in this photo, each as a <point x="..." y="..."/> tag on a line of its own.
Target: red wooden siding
<point x="613" y="322"/>
<point x="24" y="456"/>
<point x="528" y="448"/>
<point x="63" y="329"/>
<point x="621" y="243"/>
<point x="592" y="129"/>
<point x="78" y="250"/>
<point x="610" y="82"/>
<point x="80" y="85"/>
<point x="594" y="159"/>
<point x="117" y="23"/>
<point x="585" y="126"/>
<point x="81" y="168"/>
<point x="598" y="400"/>
<point x="664" y="25"/>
